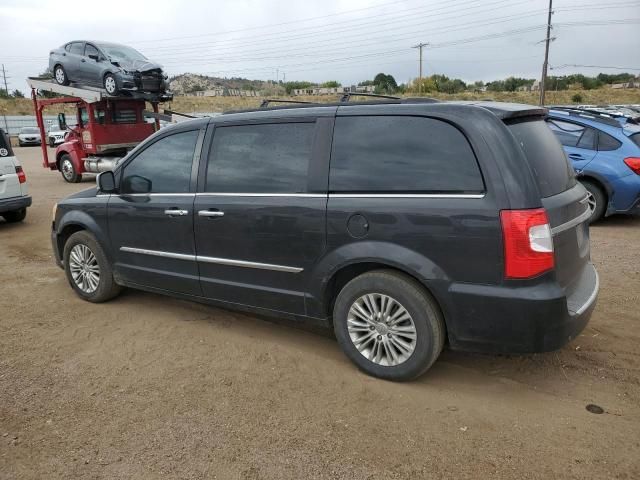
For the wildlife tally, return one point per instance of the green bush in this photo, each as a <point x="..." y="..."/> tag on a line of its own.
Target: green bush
<point x="576" y="98"/>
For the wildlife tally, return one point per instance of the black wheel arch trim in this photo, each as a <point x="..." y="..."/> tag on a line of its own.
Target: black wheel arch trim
<point x="78" y="218"/>
<point x="396" y="257"/>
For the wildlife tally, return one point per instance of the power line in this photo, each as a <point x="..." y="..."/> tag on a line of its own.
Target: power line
<point x="594" y="66"/>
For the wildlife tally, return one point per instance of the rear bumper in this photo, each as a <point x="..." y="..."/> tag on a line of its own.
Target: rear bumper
<point x="538" y="318"/>
<point x="15" y="203"/>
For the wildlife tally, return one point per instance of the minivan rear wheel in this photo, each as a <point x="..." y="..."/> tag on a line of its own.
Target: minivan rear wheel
<point x="87" y="268"/>
<point x="597" y="200"/>
<point x="388" y="325"/>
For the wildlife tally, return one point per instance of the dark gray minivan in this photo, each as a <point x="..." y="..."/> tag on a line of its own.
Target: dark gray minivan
<point x="402" y="224"/>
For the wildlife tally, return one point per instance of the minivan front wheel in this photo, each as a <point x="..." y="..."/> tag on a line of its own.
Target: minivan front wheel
<point x="388" y="325"/>
<point x="87" y="268"/>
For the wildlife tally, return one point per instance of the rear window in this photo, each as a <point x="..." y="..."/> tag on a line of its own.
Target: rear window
<point x="5" y="145"/>
<point x="401" y="154"/>
<point x="545" y="155"/>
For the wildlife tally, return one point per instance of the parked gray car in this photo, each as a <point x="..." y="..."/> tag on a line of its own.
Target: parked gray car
<point x="116" y="68"/>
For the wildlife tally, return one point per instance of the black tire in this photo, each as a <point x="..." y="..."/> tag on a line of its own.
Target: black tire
<point x="52" y="142"/>
<point x="60" y="75"/>
<point x="15" y="216"/>
<point x="20" y="144"/>
<point x="68" y="169"/>
<point x="106" y="288"/>
<point x="597" y="195"/>
<point x="110" y="84"/>
<point x="425" y="314"/>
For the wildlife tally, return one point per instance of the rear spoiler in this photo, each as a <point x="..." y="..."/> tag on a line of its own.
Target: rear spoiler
<point x="509" y="111"/>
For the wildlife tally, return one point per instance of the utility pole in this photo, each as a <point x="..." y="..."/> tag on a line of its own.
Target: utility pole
<point x="419" y="47"/>
<point x="6" y="89"/>
<point x="545" y="65"/>
<point x="4" y="76"/>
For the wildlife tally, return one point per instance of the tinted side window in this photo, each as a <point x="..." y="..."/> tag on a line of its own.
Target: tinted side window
<point x="90" y="50"/>
<point x="568" y="133"/>
<point x="401" y="154"/>
<point x="588" y="139"/>
<point x="545" y="156"/>
<point x="269" y="158"/>
<point x="606" y="142"/>
<point x="77" y="48"/>
<point x="163" y="167"/>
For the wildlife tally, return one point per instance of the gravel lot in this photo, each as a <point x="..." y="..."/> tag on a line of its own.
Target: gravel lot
<point x="150" y="387"/>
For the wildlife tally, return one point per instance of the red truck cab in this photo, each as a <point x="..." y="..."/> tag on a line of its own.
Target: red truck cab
<point x="105" y="129"/>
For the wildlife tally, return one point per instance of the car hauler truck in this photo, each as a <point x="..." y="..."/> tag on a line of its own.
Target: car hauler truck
<point x="104" y="130"/>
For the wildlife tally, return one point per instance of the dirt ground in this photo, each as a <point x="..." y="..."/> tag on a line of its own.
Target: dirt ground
<point x="149" y="387"/>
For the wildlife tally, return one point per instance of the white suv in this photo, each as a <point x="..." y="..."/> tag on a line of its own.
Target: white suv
<point x="14" y="198"/>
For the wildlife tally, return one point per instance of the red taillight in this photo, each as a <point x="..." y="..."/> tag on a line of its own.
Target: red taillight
<point x="528" y="244"/>
<point x="21" y="176"/>
<point x="633" y="163"/>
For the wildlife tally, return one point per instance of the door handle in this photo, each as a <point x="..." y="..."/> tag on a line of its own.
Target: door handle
<point x="82" y="60"/>
<point x="174" y="212"/>
<point x="576" y="156"/>
<point x="210" y="213"/>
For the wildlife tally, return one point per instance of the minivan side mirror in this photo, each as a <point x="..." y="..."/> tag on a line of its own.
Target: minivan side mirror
<point x="106" y="182"/>
<point x="62" y="121"/>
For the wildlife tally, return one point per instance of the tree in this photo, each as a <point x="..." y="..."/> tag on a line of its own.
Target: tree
<point x="385" y="83"/>
<point x="17" y="94"/>
<point x="291" y="86"/>
<point x="331" y="84"/>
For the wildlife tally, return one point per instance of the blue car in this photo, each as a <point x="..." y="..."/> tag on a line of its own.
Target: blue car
<point x="605" y="153"/>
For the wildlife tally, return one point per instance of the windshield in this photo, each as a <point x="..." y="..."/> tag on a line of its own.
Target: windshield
<point x="29" y="130"/>
<point x="122" y="52"/>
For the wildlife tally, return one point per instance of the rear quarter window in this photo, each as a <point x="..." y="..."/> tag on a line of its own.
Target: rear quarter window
<point x="635" y="138"/>
<point x="545" y="156"/>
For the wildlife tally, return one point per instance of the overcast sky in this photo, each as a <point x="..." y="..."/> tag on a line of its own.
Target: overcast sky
<point x="315" y="40"/>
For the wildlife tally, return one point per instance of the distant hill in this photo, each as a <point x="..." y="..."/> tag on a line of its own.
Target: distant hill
<point x="187" y="83"/>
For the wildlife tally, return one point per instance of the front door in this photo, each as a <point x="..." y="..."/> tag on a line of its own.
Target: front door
<point x="260" y="212"/>
<point x="91" y="68"/>
<point x="151" y="218"/>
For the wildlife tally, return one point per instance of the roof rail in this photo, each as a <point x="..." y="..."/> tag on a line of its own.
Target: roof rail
<point x="347" y="96"/>
<point x="267" y="101"/>
<point x="591" y="114"/>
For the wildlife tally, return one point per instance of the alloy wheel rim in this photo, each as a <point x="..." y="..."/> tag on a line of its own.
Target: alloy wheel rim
<point x="59" y="75"/>
<point x="381" y="329"/>
<point x="84" y="268"/>
<point x="110" y="84"/>
<point x="67" y="169"/>
<point x="591" y="202"/>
